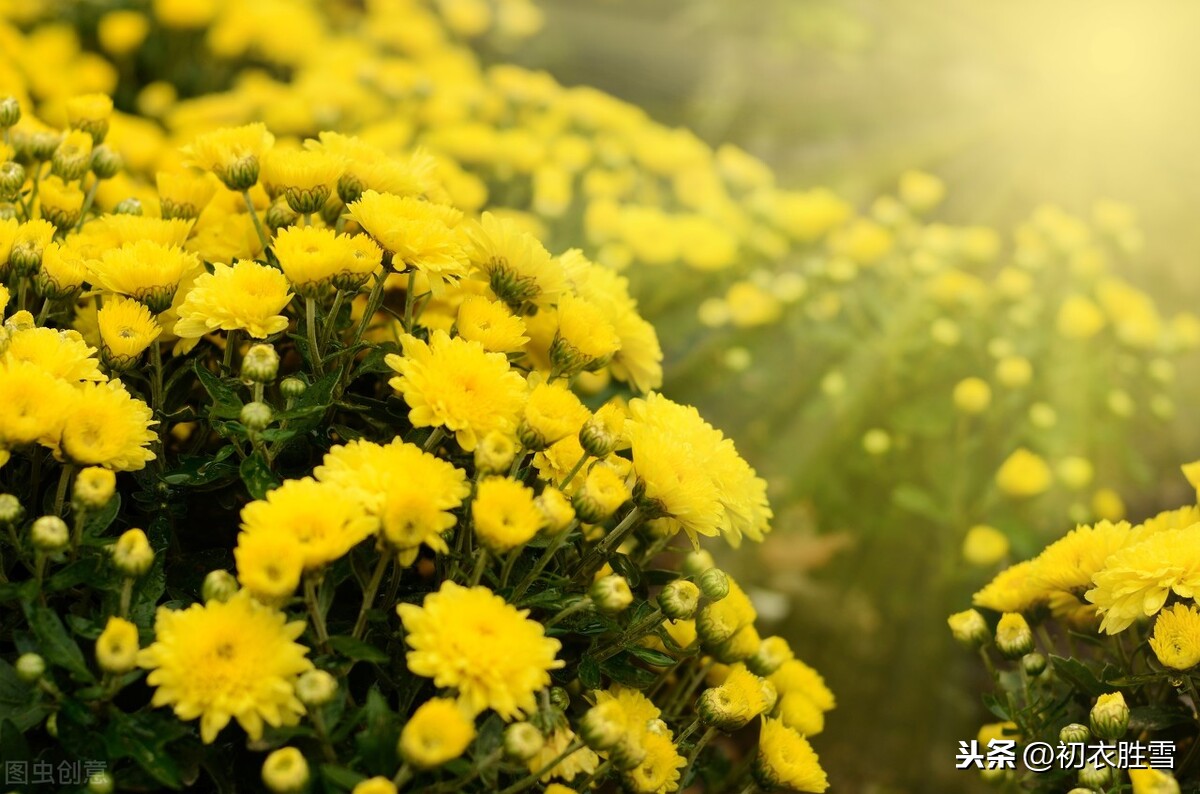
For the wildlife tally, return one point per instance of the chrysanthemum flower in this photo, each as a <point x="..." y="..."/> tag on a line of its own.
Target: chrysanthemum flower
<point x="227" y="660"/>
<point x="658" y="773"/>
<point x="62" y="273"/>
<point x="370" y="168"/>
<point x="247" y="296"/>
<point x="234" y="154"/>
<point x="1012" y="590"/>
<point x="416" y="232"/>
<point x="516" y="265"/>
<point x="306" y="178"/>
<point x="585" y="339"/>
<point x="1068" y="564"/>
<point x="786" y="760"/>
<point x="29" y="242"/>
<point x="127" y="328"/>
<point x="145" y="271"/>
<point x="35" y="404"/>
<point x="117" y="646"/>
<point x="1176" y="639"/>
<point x="184" y="194"/>
<point x="471" y="640"/>
<point x="315" y="518"/>
<point x="456" y="384"/>
<point x="437" y="732"/>
<point x="796" y="676"/>
<point x="551" y="413"/>
<point x="1137" y="580"/>
<point x="62" y="354"/>
<point x="72" y="157"/>
<point x="504" y="514"/>
<point x="60" y="202"/>
<point x="90" y="113"/>
<point x="801" y="714"/>
<point x="1024" y="474"/>
<point x="114" y="231"/>
<point x="107" y="427"/>
<point x="314" y="259"/>
<point x="581" y="762"/>
<point x="269" y="565"/>
<point x="491" y="324"/>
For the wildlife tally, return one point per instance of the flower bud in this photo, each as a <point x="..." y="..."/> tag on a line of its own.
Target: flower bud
<point x="375" y="785"/>
<point x="601" y="433"/>
<point x="522" y="741"/>
<point x="106" y="163"/>
<point x="627" y="754"/>
<point x="495" y="452"/>
<point x="679" y="599"/>
<point x="11" y="511"/>
<point x="52" y="725"/>
<point x="25" y="258"/>
<point x="969" y="628"/>
<point x="996" y="776"/>
<point x="769" y="694"/>
<point x="603" y="726"/>
<point x="129" y="206"/>
<point x="1110" y="716"/>
<point x="1034" y="664"/>
<point x="132" y="553"/>
<point x="316" y="688"/>
<point x="772" y="653"/>
<point x="261" y="364"/>
<point x="741" y="646"/>
<point x="10" y="112"/>
<point x="611" y="593"/>
<point x="42" y="144"/>
<point x="93" y="489"/>
<point x="219" y="586"/>
<point x="1081" y="790"/>
<point x="697" y="562"/>
<point x="1013" y="635"/>
<point x="12" y="179"/>
<point x="972" y="395"/>
<point x="256" y="415"/>
<point x="279" y="215"/>
<point x="30" y="667"/>
<point x="1094" y="777"/>
<point x="240" y="174"/>
<point x="714" y="584"/>
<point x="557" y="512"/>
<point x="600" y="494"/>
<point x="559" y="699"/>
<point x="117" y="646"/>
<point x="285" y="771"/>
<point x="50" y="534"/>
<point x="719" y="708"/>
<point x="292" y="388"/>
<point x="101" y="782"/>
<point x="1075" y="733"/>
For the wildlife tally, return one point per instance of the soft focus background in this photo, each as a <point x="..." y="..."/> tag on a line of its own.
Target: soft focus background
<point x="1014" y="106"/>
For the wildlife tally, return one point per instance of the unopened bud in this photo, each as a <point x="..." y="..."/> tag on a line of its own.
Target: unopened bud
<point x="772" y="653"/>
<point x="557" y="512"/>
<point x="285" y="771"/>
<point x="559" y="699"/>
<point x="611" y="593"/>
<point x="719" y="708"/>
<point x="279" y="215"/>
<point x="106" y="163"/>
<point x="129" y="206"/>
<point x="697" y="562"/>
<point x="1013" y="635"/>
<point x="30" y="667"/>
<point x="522" y="741"/>
<point x="256" y="415"/>
<point x="627" y="754"/>
<point x="292" y="388"/>
<point x="969" y="628"/>
<point x="10" y="509"/>
<point x="261" y="364"/>
<point x="714" y="584"/>
<point x="603" y="725"/>
<point x="1034" y="664"/>
<point x="50" y="534"/>
<point x="494" y="453"/>
<point x="94" y="487"/>
<point x="101" y="782"/>
<point x="679" y="599"/>
<point x="1075" y="733"/>
<point x="316" y="688"/>
<point x="132" y="553"/>
<point x="1095" y="777"/>
<point x="1110" y="716"/>
<point x="10" y="112"/>
<point x="219" y="586"/>
<point x="12" y="179"/>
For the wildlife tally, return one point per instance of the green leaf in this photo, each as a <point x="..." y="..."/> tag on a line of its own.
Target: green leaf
<point x="340" y="777"/>
<point x="589" y="672"/>
<point x="226" y="404"/>
<point x="623" y="671"/>
<point x="129" y="737"/>
<point x="12" y="741"/>
<point x="1156" y="718"/>
<point x="651" y="656"/>
<point x="1079" y="675"/>
<point x="199" y="470"/>
<point x="914" y="500"/>
<point x="17" y="701"/>
<point x="102" y="519"/>
<point x="54" y="643"/>
<point x="357" y="650"/>
<point x="257" y="476"/>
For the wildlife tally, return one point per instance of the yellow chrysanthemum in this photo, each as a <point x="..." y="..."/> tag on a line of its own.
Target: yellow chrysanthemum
<point x="551" y="413"/>
<point x="62" y="273"/>
<point x="61" y="202"/>
<point x="658" y="773"/>
<point x="314" y="259"/>
<point x="1068" y="564"/>
<point x="796" y="676"/>
<point x="1176" y="639"/>
<point x="786" y="760"/>
<point x="184" y="194"/>
<point x="35" y="404"/>
<point x="457" y="385"/>
<point x="62" y="354"/>
<point x="516" y="265"/>
<point x="694" y="473"/>
<point x="581" y="762"/>
<point x="107" y="427"/>
<point x="1012" y="590"/>
<point x="418" y="234"/>
<point x="114" y="231"/>
<point x="801" y="714"/>
<point x="1152" y="781"/>
<point x="585" y="339"/>
<point x="127" y="328"/>
<point x="269" y="564"/>
<point x="313" y="516"/>
<point x="247" y="296"/>
<point x="437" y="732"/>
<point x="117" y="646"/>
<point x="305" y="177"/>
<point x="227" y="660"/>
<point x="504" y="514"/>
<point x="234" y="154"/>
<point x="491" y="324"/>
<point x="1137" y="580"/>
<point x="145" y="271"/>
<point x="471" y="640"/>
<point x="1024" y="474"/>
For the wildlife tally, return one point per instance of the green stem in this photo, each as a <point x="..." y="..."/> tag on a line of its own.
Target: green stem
<point x="310" y="316"/>
<point x="231" y="344"/>
<point x="581" y="604"/>
<point x="44" y="312"/>
<point x="60" y="494"/>
<point x="480" y="563"/>
<point x="571" y="474"/>
<point x="509" y="561"/>
<point x="87" y="203"/>
<point x="318" y="722"/>
<point x="409" y="297"/>
<point x="632" y="633"/>
<point x="534" y="777"/>
<point x="126" y="595"/>
<point x="385" y="557"/>
<point x="543" y="561"/>
<point x="331" y="320"/>
<point x="314" y="611"/>
<point x="434" y="437"/>
<point x="403" y="776"/>
<point x="258" y="227"/>
<point x="705" y="738"/>
<point x="601" y="550"/>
